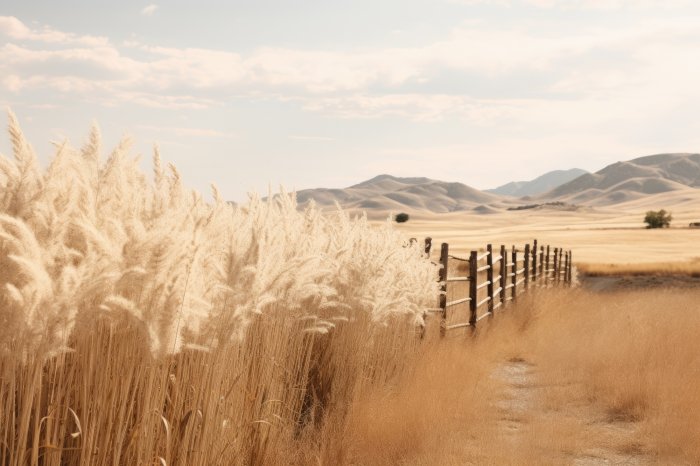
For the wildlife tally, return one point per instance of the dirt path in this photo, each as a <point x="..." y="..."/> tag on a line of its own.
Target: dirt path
<point x="556" y="430"/>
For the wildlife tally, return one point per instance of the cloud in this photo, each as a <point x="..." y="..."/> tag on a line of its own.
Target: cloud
<point x="186" y="131"/>
<point x="149" y="10"/>
<point x="604" y="5"/>
<point x="15" y="29"/>
<point x="617" y="65"/>
<point x="416" y="107"/>
<point x="311" y="138"/>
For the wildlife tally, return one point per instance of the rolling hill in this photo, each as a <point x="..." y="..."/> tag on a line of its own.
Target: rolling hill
<point x="663" y="179"/>
<point x="539" y="185"/>
<point x="390" y="193"/>
<point x="631" y="180"/>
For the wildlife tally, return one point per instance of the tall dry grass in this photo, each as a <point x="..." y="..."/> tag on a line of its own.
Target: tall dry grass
<point x="613" y="377"/>
<point x="689" y="268"/>
<point x="141" y="324"/>
<point x="637" y="354"/>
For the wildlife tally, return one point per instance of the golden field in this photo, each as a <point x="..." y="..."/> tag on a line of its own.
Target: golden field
<point x="551" y="382"/>
<point x="611" y="235"/>
<point x="142" y="324"/>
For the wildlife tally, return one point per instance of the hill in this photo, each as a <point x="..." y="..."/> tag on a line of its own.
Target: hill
<point x="663" y="178"/>
<point x="634" y="179"/>
<point x="390" y="193"/>
<point x="539" y="185"/>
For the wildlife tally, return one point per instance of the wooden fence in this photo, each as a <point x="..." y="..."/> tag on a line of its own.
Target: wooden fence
<point x="473" y="288"/>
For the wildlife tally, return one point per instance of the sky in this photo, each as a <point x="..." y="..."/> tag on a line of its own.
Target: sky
<point x="250" y="95"/>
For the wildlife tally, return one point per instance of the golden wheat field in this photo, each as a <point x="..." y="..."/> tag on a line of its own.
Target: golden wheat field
<point x="143" y="324"/>
<point x="596" y="236"/>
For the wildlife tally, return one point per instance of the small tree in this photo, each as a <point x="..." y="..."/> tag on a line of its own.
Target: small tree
<point x="658" y="219"/>
<point x="401" y="218"/>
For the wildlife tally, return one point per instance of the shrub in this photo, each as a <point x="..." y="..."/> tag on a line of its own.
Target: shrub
<point x="658" y="219"/>
<point x="401" y="218"/>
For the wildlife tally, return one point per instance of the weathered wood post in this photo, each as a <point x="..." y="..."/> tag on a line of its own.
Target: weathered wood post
<point x="566" y="267"/>
<point x="541" y="260"/>
<point x="561" y="251"/>
<point x="526" y="266"/>
<point x="514" y="273"/>
<point x="444" y="258"/>
<point x="428" y="246"/>
<point x="534" y="262"/>
<point x="473" y="287"/>
<point x="556" y="265"/>
<point x="489" y="276"/>
<point x="504" y="271"/>
<point x="546" y="266"/>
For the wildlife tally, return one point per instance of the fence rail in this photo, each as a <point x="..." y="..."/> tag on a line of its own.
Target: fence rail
<point x="494" y="279"/>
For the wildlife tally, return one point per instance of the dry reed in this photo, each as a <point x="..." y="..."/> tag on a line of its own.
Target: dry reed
<point x="141" y="324"/>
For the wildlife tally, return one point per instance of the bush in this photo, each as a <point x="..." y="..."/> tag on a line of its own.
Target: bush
<point x="401" y="218"/>
<point x="660" y="219"/>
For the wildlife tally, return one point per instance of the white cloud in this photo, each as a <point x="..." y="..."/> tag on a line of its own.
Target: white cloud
<point x="620" y="66"/>
<point x="584" y="4"/>
<point x="416" y="107"/>
<point x="311" y="138"/>
<point x="15" y="29"/>
<point x="187" y="131"/>
<point x="149" y="10"/>
<point x="12" y="83"/>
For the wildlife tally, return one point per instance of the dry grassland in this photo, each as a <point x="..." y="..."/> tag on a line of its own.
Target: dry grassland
<point x="600" y="236"/>
<point x="573" y="377"/>
<point x="568" y="378"/>
<point x="141" y="324"/>
<point x="689" y="268"/>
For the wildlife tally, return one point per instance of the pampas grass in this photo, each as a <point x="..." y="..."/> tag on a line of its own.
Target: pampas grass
<point x="141" y="324"/>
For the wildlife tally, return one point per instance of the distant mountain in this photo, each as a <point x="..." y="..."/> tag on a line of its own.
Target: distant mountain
<point x="677" y="175"/>
<point x="390" y="193"/>
<point x="539" y="185"/>
<point x="634" y="179"/>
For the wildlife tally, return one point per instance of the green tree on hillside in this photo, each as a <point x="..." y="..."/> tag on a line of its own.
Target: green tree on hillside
<point x="658" y="219"/>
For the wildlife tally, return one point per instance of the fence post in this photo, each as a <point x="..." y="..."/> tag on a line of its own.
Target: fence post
<point x="561" y="251"/>
<point x="556" y="265"/>
<point x="504" y="270"/>
<point x="526" y="266"/>
<point x="489" y="276"/>
<point x="566" y="267"/>
<point x="541" y="261"/>
<point x="473" y="283"/>
<point x="514" y="273"/>
<point x="534" y="262"/>
<point x="428" y="246"/>
<point x="444" y="253"/>
<point x="546" y="267"/>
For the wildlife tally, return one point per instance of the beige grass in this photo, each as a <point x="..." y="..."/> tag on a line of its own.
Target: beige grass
<point x="142" y="324"/>
<point x="648" y="375"/>
<point x="689" y="268"/>
<point x="608" y="236"/>
<point x="594" y="393"/>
